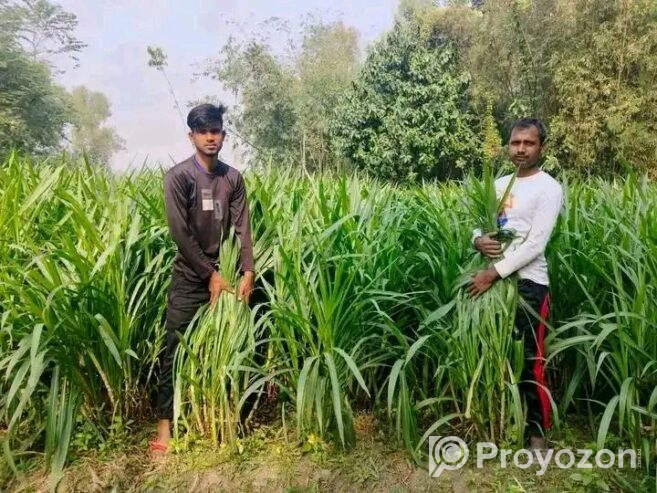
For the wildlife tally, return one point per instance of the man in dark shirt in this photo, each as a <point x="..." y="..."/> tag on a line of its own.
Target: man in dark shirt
<point x="203" y="198"/>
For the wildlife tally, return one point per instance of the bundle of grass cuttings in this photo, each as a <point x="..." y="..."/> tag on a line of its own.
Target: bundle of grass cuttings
<point x="215" y="374"/>
<point x="487" y="359"/>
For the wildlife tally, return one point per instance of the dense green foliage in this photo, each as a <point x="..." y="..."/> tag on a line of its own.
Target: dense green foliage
<point x="418" y="105"/>
<point x="33" y="110"/>
<point x="407" y="116"/>
<point x="37" y="114"/>
<point x="287" y="101"/>
<point x="362" y="309"/>
<point x="584" y="66"/>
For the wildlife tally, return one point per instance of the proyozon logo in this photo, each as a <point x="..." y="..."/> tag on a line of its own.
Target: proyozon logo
<point x="451" y="453"/>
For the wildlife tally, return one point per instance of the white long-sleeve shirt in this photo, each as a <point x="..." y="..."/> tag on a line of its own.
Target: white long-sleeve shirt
<point x="532" y="209"/>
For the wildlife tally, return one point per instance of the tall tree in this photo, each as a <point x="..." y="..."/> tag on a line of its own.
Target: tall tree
<point x="157" y="59"/>
<point x="43" y="29"/>
<point x="286" y="102"/>
<point x="606" y="113"/>
<point x="33" y="110"/>
<point x="407" y="117"/>
<point x="266" y="113"/>
<point x="325" y="66"/>
<point x="89" y="136"/>
<point x="585" y="66"/>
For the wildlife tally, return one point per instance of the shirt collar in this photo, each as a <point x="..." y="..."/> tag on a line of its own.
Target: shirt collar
<point x="202" y="168"/>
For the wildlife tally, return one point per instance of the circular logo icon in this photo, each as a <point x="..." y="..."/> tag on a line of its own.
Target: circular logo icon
<point x="449" y="453"/>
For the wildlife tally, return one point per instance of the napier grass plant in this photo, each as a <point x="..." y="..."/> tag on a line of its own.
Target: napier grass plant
<point x="215" y="371"/>
<point x="84" y="277"/>
<point x="610" y="274"/>
<point x="327" y="301"/>
<point x="486" y="362"/>
<point x="362" y="309"/>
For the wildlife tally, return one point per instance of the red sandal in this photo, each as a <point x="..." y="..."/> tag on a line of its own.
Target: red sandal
<point x="157" y="448"/>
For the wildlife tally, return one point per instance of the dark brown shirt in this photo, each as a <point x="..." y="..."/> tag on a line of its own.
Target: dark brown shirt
<point x="200" y="208"/>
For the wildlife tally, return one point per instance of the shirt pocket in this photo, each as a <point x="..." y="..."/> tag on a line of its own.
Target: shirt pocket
<point x="207" y="200"/>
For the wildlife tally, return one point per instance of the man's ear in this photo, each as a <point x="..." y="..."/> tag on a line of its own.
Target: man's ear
<point x="189" y="135"/>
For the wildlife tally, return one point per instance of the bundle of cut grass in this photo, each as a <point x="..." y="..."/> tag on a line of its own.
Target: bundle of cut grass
<point x="486" y="361"/>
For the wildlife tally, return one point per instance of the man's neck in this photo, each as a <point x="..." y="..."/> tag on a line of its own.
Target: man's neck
<point x="208" y="162"/>
<point x="524" y="173"/>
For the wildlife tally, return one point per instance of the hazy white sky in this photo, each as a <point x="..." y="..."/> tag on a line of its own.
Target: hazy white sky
<point x="116" y="63"/>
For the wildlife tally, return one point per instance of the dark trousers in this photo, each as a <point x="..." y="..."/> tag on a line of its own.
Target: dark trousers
<point x="184" y="300"/>
<point x="533" y="385"/>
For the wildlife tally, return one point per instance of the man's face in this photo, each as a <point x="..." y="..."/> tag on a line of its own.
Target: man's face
<point x="208" y="141"/>
<point x="525" y="147"/>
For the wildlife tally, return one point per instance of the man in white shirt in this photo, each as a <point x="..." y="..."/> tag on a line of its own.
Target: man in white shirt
<point x="531" y="209"/>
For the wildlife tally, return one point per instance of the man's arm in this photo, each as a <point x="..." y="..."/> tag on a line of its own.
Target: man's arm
<point x="543" y="222"/>
<point x="239" y="214"/>
<point x="175" y="199"/>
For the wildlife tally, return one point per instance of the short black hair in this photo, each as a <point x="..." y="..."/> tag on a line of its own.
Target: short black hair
<point x="205" y="117"/>
<point x="524" y="123"/>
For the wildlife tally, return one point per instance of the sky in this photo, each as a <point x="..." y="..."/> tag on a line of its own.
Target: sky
<point x="115" y="61"/>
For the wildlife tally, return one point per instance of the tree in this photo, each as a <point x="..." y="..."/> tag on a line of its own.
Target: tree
<point x="88" y="135"/>
<point x="606" y="117"/>
<point x="43" y="29"/>
<point x="157" y="59"/>
<point x="407" y="117"/>
<point x="33" y="110"/>
<point x="266" y="114"/>
<point x="325" y="67"/>
<point x="584" y="66"/>
<point x="506" y="47"/>
<point x="286" y="102"/>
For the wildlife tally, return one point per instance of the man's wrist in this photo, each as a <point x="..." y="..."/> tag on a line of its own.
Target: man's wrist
<point x="492" y="274"/>
<point x="249" y="274"/>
